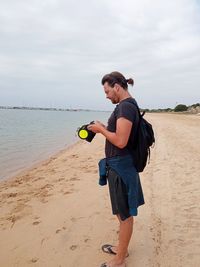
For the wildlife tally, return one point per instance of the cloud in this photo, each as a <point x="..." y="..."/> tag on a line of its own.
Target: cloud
<point x="56" y="52"/>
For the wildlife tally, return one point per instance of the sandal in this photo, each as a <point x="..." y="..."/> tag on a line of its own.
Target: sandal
<point x="106" y="265"/>
<point x="107" y="248"/>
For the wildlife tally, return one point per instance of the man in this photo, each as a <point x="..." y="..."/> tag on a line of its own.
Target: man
<point x="124" y="182"/>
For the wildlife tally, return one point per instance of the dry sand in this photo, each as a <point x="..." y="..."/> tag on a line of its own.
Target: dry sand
<point x="57" y="215"/>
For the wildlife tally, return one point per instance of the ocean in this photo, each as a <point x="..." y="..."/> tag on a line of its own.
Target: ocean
<point x="30" y="136"/>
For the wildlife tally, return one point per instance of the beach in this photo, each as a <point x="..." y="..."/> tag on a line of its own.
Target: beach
<point x="56" y="214"/>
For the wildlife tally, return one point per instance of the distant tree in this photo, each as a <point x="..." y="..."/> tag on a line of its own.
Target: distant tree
<point x="180" y="107"/>
<point x="195" y="105"/>
<point x="168" y="109"/>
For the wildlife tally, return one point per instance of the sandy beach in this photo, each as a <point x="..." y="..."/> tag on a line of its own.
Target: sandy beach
<point x="56" y="214"/>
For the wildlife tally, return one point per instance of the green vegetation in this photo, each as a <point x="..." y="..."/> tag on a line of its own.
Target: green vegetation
<point x="195" y="105"/>
<point x="180" y="107"/>
<point x="158" y="110"/>
<point x="195" y="108"/>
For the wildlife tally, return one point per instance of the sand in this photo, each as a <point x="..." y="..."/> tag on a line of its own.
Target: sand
<point x="57" y="215"/>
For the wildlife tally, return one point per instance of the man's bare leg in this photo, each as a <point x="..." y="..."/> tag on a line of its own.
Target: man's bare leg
<point x="125" y="233"/>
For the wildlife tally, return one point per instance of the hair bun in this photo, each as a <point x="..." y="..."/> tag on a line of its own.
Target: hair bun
<point x="130" y="81"/>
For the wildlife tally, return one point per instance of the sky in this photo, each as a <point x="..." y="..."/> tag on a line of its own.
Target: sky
<point x="54" y="53"/>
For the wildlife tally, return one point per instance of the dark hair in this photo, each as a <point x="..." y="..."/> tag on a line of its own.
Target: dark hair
<point x="116" y="77"/>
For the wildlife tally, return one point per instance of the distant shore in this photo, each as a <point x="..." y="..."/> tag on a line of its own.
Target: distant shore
<point x="50" y="109"/>
<point x="192" y="109"/>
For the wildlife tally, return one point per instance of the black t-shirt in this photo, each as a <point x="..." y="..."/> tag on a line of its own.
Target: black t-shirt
<point x="128" y="111"/>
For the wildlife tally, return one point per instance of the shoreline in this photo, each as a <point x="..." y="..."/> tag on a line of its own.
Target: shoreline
<point x="23" y="171"/>
<point x="31" y="138"/>
<point x="56" y="152"/>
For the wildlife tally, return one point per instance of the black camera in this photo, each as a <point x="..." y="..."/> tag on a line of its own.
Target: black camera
<point x="86" y="134"/>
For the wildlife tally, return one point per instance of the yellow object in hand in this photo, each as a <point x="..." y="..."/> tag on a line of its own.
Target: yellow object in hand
<point x="83" y="134"/>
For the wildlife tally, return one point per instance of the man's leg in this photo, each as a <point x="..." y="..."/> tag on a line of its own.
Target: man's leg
<point x="125" y="233"/>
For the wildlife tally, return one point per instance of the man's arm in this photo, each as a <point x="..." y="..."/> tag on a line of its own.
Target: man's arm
<point x="118" y="138"/>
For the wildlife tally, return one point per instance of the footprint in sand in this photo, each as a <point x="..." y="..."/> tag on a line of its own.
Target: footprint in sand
<point x="73" y="247"/>
<point x="37" y="179"/>
<point x="47" y="186"/>
<point x="60" y="179"/>
<point x="74" y="156"/>
<point x="75" y="219"/>
<point x="66" y="193"/>
<point x="34" y="260"/>
<point x="43" y="200"/>
<point x="74" y="179"/>
<point x="59" y="230"/>
<point x="36" y="222"/>
<point x="12" y="195"/>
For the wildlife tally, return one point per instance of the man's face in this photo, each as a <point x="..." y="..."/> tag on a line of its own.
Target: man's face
<point x="111" y="93"/>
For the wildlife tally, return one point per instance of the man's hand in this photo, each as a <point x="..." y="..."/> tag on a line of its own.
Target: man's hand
<point x="118" y="138"/>
<point x="96" y="127"/>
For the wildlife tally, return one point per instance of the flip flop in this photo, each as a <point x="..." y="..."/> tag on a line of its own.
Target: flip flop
<point x="107" y="248"/>
<point x="106" y="265"/>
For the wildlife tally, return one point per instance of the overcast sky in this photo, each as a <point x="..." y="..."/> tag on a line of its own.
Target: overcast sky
<point x="53" y="53"/>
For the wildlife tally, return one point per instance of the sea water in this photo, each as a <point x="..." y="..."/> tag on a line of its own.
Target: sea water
<point x="29" y="136"/>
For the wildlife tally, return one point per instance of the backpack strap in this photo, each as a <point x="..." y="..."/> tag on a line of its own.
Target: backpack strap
<point x="138" y="109"/>
<point x="135" y="104"/>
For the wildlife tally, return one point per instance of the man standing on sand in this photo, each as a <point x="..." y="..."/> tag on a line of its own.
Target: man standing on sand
<point x="118" y="167"/>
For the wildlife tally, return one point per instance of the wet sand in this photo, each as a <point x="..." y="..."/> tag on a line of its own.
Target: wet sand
<point x="57" y="215"/>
